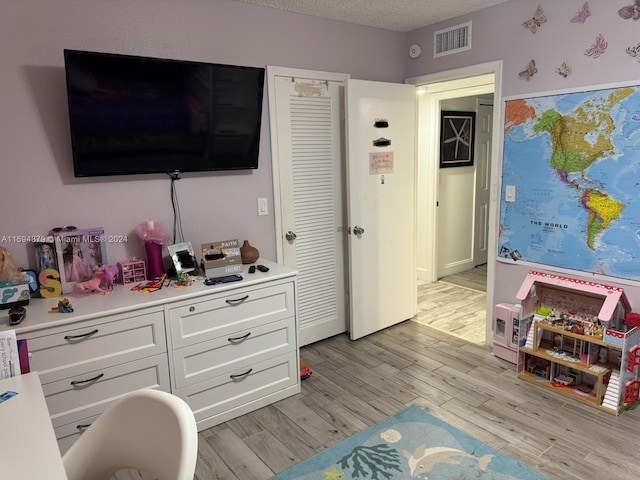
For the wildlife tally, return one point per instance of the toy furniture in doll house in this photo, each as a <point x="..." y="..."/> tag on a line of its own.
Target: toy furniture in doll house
<point x="577" y="343"/>
<point x="506" y="331"/>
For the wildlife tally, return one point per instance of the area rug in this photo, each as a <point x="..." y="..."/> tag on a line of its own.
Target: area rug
<point x="411" y="444"/>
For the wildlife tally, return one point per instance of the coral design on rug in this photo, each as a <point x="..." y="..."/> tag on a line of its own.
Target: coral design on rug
<point x="410" y="445"/>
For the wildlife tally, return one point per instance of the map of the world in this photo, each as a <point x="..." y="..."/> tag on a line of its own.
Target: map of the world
<point x="571" y="181"/>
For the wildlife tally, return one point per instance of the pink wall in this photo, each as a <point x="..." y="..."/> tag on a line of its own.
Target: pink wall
<point x="39" y="189"/>
<point x="499" y="35"/>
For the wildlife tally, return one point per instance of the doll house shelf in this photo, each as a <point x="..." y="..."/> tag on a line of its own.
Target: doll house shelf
<point x="575" y="341"/>
<point x="132" y="271"/>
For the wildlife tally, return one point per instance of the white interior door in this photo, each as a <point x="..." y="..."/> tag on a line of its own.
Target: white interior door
<point x="308" y="143"/>
<point x="484" y="132"/>
<point x="381" y="204"/>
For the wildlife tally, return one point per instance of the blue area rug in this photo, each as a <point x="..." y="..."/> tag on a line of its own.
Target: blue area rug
<point x="411" y="444"/>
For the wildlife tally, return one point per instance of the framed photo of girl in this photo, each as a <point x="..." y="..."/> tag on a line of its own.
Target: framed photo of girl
<point x="457" y="136"/>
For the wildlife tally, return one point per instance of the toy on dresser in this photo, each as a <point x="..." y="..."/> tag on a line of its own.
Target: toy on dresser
<point x="14" y="284"/>
<point x="110" y="275"/>
<point x="93" y="285"/>
<point x="132" y="271"/>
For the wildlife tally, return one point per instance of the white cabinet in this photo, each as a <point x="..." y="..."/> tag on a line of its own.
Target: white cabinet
<point x="86" y="366"/>
<point x="235" y="351"/>
<point x="226" y="349"/>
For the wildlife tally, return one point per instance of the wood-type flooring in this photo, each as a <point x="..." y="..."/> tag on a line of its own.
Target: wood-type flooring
<point x="357" y="384"/>
<point x="456" y="304"/>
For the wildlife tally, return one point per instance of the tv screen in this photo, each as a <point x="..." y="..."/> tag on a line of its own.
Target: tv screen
<point x="135" y="115"/>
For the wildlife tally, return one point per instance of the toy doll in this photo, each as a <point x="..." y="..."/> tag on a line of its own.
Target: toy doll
<point x="75" y="268"/>
<point x="10" y="274"/>
<point x="95" y="257"/>
<point x="46" y="258"/>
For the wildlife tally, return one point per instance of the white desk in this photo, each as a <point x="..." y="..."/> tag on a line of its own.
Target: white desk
<point x="28" y="449"/>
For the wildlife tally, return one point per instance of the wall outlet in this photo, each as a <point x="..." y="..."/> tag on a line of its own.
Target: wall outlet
<point x="263" y="207"/>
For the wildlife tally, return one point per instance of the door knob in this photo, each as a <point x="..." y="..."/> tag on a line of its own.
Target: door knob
<point x="358" y="230"/>
<point x="290" y="236"/>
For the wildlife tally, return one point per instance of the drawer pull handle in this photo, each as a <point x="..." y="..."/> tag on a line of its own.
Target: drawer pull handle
<point x="76" y="383"/>
<point x="83" y="426"/>
<point x="84" y="335"/>
<point x="240" y="375"/>
<point x="237" y="301"/>
<point x="238" y="339"/>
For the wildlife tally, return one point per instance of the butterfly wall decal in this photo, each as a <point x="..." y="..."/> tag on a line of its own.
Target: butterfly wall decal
<point x="538" y="19"/>
<point x="529" y="72"/>
<point x="582" y="15"/>
<point x="634" y="52"/>
<point x="598" y="48"/>
<point x="630" y="11"/>
<point x="564" y="69"/>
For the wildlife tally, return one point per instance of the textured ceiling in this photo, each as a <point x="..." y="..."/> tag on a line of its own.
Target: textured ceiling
<point x="398" y="15"/>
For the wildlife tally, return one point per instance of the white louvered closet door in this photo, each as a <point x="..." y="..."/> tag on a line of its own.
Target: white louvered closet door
<point x="310" y="152"/>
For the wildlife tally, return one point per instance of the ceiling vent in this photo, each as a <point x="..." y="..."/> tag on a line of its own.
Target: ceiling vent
<point x="452" y="40"/>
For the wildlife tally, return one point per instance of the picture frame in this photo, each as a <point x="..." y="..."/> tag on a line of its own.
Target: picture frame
<point x="221" y="258"/>
<point x="457" y="138"/>
<point x="79" y="253"/>
<point x="183" y="258"/>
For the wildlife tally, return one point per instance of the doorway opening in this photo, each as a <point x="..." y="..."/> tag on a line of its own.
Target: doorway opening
<point x="456" y="211"/>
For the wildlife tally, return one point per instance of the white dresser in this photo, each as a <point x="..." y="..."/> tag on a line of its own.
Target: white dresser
<point x="226" y="349"/>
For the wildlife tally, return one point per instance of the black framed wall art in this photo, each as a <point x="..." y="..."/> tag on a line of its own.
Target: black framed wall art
<point x="457" y="135"/>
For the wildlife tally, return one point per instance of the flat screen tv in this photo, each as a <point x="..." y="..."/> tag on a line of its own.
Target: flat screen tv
<point x="137" y="115"/>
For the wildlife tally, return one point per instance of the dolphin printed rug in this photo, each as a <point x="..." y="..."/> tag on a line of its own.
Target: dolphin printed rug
<point x="410" y="445"/>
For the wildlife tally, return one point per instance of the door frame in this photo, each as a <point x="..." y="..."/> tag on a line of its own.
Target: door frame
<point x="426" y="166"/>
<point x="439" y="86"/>
<point x="272" y="72"/>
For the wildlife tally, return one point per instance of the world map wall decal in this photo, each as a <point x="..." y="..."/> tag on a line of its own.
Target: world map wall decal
<point x="572" y="171"/>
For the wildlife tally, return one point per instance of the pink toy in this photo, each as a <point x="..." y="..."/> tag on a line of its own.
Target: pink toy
<point x="92" y="285"/>
<point x="110" y="275"/>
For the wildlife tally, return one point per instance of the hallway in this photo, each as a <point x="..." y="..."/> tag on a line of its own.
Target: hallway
<point x="456" y="304"/>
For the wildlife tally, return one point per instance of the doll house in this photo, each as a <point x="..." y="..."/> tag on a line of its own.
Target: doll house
<point x="576" y="342"/>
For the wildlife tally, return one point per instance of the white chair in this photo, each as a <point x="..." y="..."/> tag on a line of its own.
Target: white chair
<point x="147" y="430"/>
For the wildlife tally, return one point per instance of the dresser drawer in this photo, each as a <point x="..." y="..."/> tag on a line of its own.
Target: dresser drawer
<point x="228" y="313"/>
<point x="205" y="360"/>
<point x="93" y="391"/>
<point x="226" y="397"/>
<point x="59" y="353"/>
<point x="69" y="433"/>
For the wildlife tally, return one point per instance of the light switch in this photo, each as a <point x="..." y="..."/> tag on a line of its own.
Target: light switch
<point x="510" y="193"/>
<point x="263" y="208"/>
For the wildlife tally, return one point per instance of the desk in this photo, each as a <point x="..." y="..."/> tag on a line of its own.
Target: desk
<point x="28" y="450"/>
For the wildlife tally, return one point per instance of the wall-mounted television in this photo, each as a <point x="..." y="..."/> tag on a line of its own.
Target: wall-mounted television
<point x="137" y="115"/>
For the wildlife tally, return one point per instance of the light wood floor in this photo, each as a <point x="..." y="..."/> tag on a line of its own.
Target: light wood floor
<point x="456" y="304"/>
<point x="473" y="279"/>
<point x="356" y="384"/>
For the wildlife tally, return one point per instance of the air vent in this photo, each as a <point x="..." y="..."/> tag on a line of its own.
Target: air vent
<point x="452" y="40"/>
